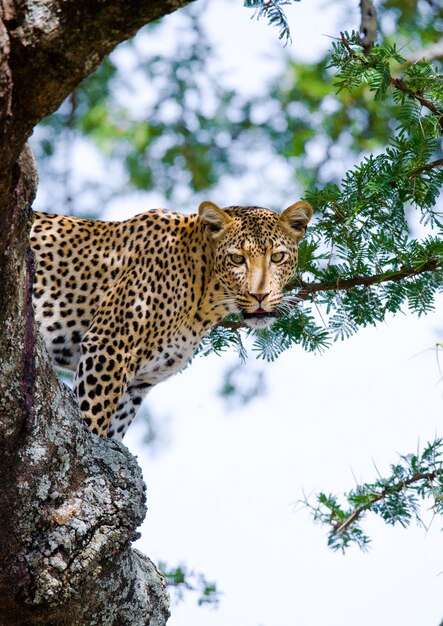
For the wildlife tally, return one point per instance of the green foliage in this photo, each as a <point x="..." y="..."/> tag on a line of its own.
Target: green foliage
<point x="297" y="327"/>
<point x="370" y="263"/>
<point x="181" y="579"/>
<point x="273" y="12"/>
<point x="174" y="142"/>
<point x="220" y="339"/>
<point x="396" y="498"/>
<point x="362" y="258"/>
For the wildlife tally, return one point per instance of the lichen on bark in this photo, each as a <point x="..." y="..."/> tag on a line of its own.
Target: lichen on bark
<point x="74" y="504"/>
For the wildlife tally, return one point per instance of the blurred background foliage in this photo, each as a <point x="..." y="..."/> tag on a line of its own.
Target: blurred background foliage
<point x="167" y="122"/>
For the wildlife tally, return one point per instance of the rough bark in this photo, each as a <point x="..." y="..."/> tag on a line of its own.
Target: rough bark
<point x="70" y="503"/>
<point x="70" y="506"/>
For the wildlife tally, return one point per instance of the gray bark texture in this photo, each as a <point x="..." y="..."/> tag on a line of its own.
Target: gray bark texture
<point x="70" y="502"/>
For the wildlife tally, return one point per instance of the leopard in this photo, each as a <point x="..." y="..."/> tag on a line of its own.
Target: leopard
<point x="125" y="304"/>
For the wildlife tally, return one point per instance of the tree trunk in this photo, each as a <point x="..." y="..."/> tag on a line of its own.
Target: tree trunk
<point x="70" y="502"/>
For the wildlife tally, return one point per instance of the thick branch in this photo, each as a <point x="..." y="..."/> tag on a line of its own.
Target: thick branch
<point x="70" y="504"/>
<point x="368" y="25"/>
<point x="55" y="44"/>
<point x="47" y="47"/>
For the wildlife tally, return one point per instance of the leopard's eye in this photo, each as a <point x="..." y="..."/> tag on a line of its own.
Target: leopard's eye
<point x="278" y="257"/>
<point x="236" y="259"/>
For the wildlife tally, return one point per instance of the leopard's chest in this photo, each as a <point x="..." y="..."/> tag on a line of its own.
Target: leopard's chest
<point x="169" y="356"/>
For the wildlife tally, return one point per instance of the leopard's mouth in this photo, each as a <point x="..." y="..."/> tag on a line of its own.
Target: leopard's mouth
<point x="259" y="318"/>
<point x="259" y="314"/>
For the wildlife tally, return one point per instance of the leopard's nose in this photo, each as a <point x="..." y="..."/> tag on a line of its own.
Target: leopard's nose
<point x="260" y="296"/>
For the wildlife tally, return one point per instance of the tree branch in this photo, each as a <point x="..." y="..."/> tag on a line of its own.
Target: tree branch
<point x="403" y="484"/>
<point x="47" y="47"/>
<point x="368" y="25"/>
<point x="398" y="83"/>
<point x="426" y="168"/>
<point x="366" y="281"/>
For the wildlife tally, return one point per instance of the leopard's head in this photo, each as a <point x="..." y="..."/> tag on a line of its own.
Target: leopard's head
<point x="255" y="253"/>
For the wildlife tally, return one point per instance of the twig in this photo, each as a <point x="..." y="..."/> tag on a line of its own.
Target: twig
<point x="432" y="52"/>
<point x="426" y="168"/>
<point x="398" y="83"/>
<point x="430" y="476"/>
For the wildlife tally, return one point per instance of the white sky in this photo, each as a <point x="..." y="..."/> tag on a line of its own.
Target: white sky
<point x="221" y="495"/>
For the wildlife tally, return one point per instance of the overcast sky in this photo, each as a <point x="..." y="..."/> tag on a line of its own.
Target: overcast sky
<point x="222" y="494"/>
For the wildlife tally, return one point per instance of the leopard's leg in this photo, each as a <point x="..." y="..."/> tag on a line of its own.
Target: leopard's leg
<point x="101" y="380"/>
<point x="127" y="408"/>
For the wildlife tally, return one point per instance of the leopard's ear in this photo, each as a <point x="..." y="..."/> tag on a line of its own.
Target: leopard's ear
<point x="296" y="217"/>
<point x="213" y="218"/>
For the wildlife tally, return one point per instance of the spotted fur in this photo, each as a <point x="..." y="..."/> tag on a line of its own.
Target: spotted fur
<point x="125" y="304"/>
